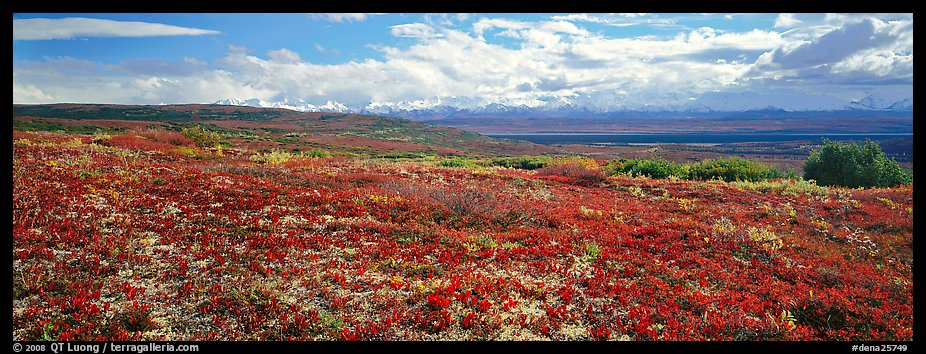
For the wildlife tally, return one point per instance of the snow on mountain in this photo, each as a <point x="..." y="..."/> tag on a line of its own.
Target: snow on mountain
<point x="334" y="106"/>
<point x="905" y="104"/>
<point x="598" y="104"/>
<point x="882" y="102"/>
<point x="236" y="102"/>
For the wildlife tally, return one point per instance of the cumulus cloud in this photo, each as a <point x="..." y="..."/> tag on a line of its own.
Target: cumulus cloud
<point x="414" y="30"/>
<point x="68" y="28"/>
<point x="343" y="17"/>
<point x="573" y="61"/>
<point x="869" y="50"/>
<point x="284" y="55"/>
<point x="582" y="18"/>
<point x="560" y="26"/>
<point x="30" y="94"/>
<point x="239" y="49"/>
<point x="786" y="20"/>
<point x="113" y="84"/>
<point x="556" y="58"/>
<point x="623" y="20"/>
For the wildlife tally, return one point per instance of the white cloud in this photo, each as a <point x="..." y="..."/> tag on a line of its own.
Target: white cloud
<point x="343" y="17"/>
<point x="239" y="49"/>
<point x="67" y="28"/>
<point x="30" y="94"/>
<point x="551" y="63"/>
<point x="559" y="26"/>
<point x="582" y="18"/>
<point x="622" y="20"/>
<point x="786" y="20"/>
<point x="842" y="50"/>
<point x="554" y="58"/>
<point x="414" y="30"/>
<point x="444" y="19"/>
<point x="838" y="44"/>
<point x="284" y="55"/>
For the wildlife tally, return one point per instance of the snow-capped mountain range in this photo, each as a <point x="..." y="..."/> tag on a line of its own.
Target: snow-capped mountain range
<point x="600" y="104"/>
<point x="299" y="105"/>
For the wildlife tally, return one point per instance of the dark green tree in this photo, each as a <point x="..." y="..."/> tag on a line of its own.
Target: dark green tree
<point x="854" y="165"/>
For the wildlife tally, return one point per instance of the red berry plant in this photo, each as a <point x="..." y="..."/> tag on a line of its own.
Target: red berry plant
<point x="121" y="239"/>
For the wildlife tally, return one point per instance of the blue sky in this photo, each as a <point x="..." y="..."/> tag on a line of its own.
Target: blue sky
<point x="529" y="59"/>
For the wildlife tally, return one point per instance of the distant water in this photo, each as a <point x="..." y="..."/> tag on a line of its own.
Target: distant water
<point x="672" y="138"/>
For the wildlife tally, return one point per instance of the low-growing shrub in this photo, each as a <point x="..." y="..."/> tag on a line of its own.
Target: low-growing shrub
<point x="457" y="162"/>
<point x="400" y="155"/>
<point x="575" y="173"/>
<point x="732" y="169"/>
<point x="166" y="136"/>
<point x="522" y="162"/>
<point x="466" y="203"/>
<point x="576" y="160"/>
<point x="791" y="186"/>
<point x="132" y="141"/>
<point x="187" y="151"/>
<point x="271" y="157"/>
<point x="316" y="153"/>
<point x="655" y="168"/>
<point x="201" y="136"/>
<point x="727" y="169"/>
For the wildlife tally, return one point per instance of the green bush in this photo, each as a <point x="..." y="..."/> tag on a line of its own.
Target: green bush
<point x="272" y="157"/>
<point x="316" y="153"/>
<point x="187" y="151"/>
<point x="791" y="186"/>
<point x="522" y="162"/>
<point x="656" y="168"/>
<point x="854" y="165"/>
<point x="399" y="155"/>
<point x="733" y="169"/>
<point x="201" y="136"/>
<point x="457" y="162"/>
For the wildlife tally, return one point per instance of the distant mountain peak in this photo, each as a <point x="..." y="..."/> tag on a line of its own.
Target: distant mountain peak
<point x="600" y="104"/>
<point x="876" y="102"/>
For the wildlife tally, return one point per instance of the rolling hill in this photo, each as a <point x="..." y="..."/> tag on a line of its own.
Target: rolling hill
<point x="263" y="128"/>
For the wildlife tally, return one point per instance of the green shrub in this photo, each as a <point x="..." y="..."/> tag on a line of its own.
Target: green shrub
<point x="399" y="155"/>
<point x="733" y="169"/>
<point x="457" y="162"/>
<point x="791" y="186"/>
<point x="522" y="162"/>
<point x="201" y="136"/>
<point x="187" y="151"/>
<point x="272" y="157"/>
<point x="656" y="168"/>
<point x="854" y="165"/>
<point x="316" y="153"/>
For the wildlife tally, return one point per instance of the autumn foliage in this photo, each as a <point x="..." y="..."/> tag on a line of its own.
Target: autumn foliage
<point x="119" y="239"/>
